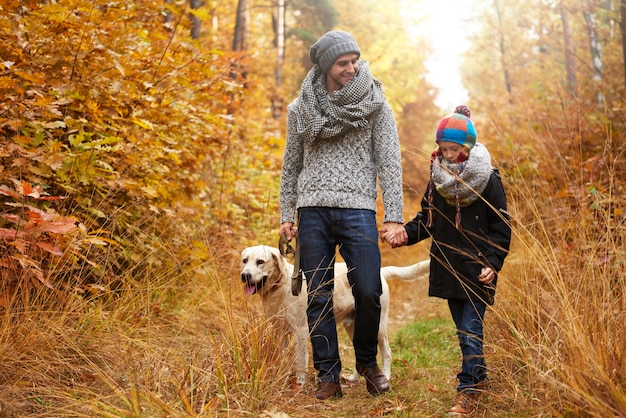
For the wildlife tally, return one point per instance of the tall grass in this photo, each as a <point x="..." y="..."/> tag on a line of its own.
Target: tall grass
<point x="176" y="340"/>
<point x="180" y="339"/>
<point x="557" y="339"/>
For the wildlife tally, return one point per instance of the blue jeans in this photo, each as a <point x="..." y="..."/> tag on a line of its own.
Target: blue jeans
<point x="468" y="317"/>
<point x="354" y="231"/>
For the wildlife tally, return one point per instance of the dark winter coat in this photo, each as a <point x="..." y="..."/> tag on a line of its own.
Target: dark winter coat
<point x="458" y="255"/>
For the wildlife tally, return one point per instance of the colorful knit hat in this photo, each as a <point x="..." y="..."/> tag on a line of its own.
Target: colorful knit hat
<point x="331" y="46"/>
<point x="457" y="127"/>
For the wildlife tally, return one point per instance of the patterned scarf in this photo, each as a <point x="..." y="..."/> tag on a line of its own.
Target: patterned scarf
<point x="461" y="182"/>
<point x="322" y="115"/>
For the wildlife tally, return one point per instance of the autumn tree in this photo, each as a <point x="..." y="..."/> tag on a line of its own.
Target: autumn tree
<point x="545" y="52"/>
<point x="125" y="121"/>
<point x="622" y="26"/>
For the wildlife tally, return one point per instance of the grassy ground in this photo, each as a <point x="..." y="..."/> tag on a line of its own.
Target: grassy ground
<point x="193" y="345"/>
<point x="204" y="349"/>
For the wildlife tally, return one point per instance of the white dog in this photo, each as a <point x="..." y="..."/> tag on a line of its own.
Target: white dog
<point x="267" y="273"/>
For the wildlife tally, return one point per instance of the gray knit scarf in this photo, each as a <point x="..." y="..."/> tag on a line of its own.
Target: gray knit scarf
<point x="322" y="115"/>
<point x="460" y="183"/>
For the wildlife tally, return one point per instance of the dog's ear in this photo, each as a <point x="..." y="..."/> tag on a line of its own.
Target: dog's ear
<point x="280" y="262"/>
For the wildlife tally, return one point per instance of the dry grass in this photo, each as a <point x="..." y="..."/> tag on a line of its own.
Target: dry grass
<point x="557" y="339"/>
<point x="188" y="342"/>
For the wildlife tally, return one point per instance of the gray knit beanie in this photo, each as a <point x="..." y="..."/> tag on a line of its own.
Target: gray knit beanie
<point x="331" y="46"/>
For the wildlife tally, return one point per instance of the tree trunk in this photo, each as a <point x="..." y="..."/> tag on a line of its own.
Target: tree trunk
<point x="240" y="38"/>
<point x="570" y="63"/>
<point x="623" y="28"/>
<point x="196" y="23"/>
<point x="507" y="77"/>
<point x="169" y="16"/>
<point x="596" y="51"/>
<point x="279" y="33"/>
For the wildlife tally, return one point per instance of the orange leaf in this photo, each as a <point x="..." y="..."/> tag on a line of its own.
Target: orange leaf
<point x="21" y="245"/>
<point x="26" y="188"/>
<point x="39" y="275"/>
<point x="32" y="266"/>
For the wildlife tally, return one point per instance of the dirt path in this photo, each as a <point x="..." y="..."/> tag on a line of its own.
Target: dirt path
<point x="410" y="303"/>
<point x="409" y="300"/>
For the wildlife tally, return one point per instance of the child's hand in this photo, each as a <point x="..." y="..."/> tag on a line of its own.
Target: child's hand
<point x="486" y="275"/>
<point x="394" y="234"/>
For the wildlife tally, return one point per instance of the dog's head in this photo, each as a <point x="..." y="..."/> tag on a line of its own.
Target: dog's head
<point x="262" y="268"/>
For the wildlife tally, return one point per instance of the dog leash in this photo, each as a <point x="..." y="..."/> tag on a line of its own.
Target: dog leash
<point x="286" y="250"/>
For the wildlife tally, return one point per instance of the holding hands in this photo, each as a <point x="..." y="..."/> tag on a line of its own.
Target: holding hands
<point x="394" y="233"/>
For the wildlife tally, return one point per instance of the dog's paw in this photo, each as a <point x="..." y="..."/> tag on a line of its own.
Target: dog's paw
<point x="351" y="380"/>
<point x="296" y="387"/>
<point x="296" y="384"/>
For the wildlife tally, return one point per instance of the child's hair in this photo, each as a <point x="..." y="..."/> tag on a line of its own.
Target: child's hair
<point x="462" y="158"/>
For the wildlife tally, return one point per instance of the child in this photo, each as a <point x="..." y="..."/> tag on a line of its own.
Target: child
<point x="464" y="211"/>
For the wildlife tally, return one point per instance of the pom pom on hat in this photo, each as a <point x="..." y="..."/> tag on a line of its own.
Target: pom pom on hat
<point x="457" y="127"/>
<point x="463" y="110"/>
<point x="331" y="46"/>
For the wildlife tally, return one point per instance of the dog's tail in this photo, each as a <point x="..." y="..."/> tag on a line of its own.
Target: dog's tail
<point x="417" y="271"/>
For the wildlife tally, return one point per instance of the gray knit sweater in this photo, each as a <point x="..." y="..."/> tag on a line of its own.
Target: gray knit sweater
<point x="342" y="171"/>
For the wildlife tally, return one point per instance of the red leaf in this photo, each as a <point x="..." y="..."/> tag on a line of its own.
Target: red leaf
<point x="10" y="234"/>
<point x="62" y="226"/>
<point x="52" y="197"/>
<point x="13" y="218"/>
<point x="51" y="248"/>
<point x="9" y="192"/>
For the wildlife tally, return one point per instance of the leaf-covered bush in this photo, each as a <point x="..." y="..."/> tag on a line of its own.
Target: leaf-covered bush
<point x="124" y="121"/>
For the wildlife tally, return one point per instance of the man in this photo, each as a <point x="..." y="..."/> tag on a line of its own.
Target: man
<point x="341" y="139"/>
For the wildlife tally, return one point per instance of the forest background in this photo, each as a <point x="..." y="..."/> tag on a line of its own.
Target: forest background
<point x="141" y="151"/>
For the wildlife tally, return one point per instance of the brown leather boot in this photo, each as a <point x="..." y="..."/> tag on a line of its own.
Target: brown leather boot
<point x="464" y="405"/>
<point x="377" y="383"/>
<point x="328" y="390"/>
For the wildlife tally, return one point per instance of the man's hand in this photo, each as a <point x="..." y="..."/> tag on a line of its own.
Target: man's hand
<point x="289" y="230"/>
<point x="394" y="233"/>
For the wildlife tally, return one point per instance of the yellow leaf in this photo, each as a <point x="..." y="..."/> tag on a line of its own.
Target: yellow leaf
<point x="101" y="241"/>
<point x="144" y="123"/>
